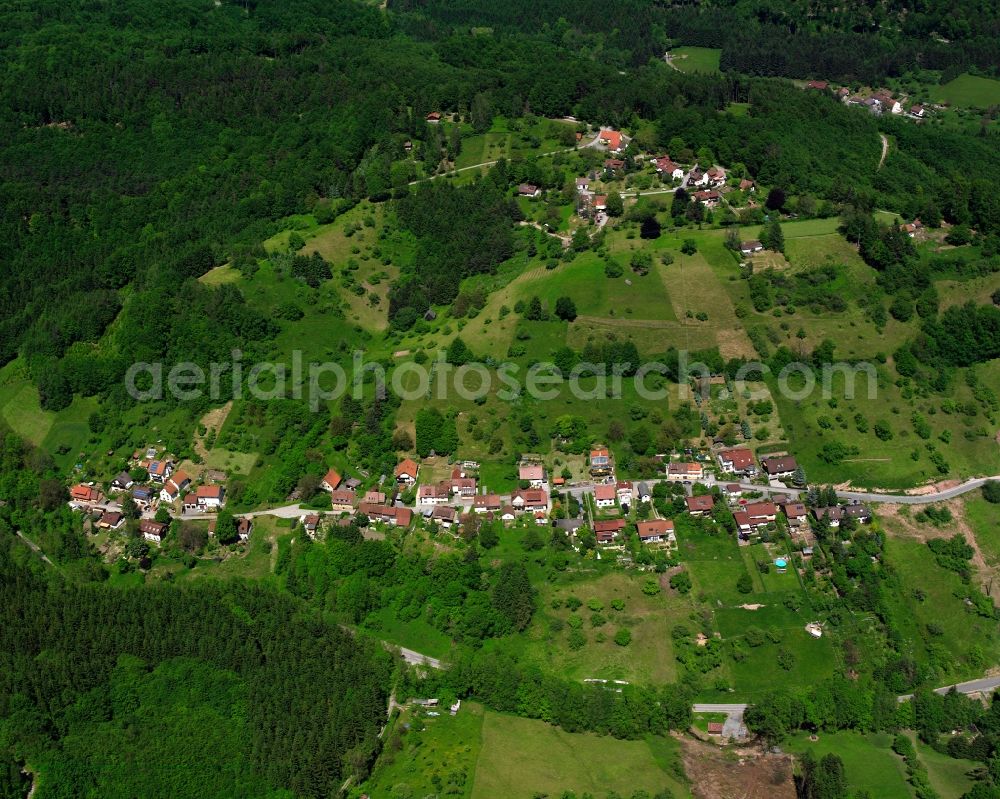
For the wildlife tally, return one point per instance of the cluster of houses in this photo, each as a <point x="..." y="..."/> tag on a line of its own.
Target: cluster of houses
<point x="878" y="102"/>
<point x="164" y="486"/>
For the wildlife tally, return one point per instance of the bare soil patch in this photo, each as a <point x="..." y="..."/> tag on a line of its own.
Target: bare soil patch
<point x="746" y="773"/>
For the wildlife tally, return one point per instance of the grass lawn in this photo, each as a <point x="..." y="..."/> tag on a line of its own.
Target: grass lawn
<point x="648" y="659"/>
<point x="815" y="658"/>
<point x="696" y="59"/>
<point x="437" y="754"/>
<point x="984" y="518"/>
<point x="969" y="90"/>
<point x="869" y="762"/>
<point x="20" y="409"/>
<point x="416" y="634"/>
<point x="948" y="776"/>
<point x="958" y="630"/>
<point x="523" y="758"/>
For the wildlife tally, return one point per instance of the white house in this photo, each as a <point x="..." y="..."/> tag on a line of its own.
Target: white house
<point x="210" y="497"/>
<point x="605" y="495"/>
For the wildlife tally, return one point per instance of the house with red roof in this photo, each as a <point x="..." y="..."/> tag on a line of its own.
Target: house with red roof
<point x="406" y="472"/>
<point x="612" y="139"/>
<point x="210" y="497"/>
<point x="656" y="531"/>
<point x="739" y="460"/>
<point x="84" y="493"/>
<point x="605" y="495"/>
<point x="331" y="480"/>
<point x="606" y="531"/>
<point x="700" y="505"/>
<point x="533" y="500"/>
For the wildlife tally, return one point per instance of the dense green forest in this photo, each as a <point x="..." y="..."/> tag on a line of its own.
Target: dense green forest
<point x="852" y="41"/>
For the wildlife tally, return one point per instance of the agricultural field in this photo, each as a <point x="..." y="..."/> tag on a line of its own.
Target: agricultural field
<point x="696" y="59"/>
<point x="550" y="761"/>
<point x="869" y="761"/>
<point x="969" y="90"/>
<point x="471" y="755"/>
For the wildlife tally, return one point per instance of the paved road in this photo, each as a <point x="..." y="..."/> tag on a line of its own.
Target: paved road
<point x="418" y="659"/>
<point x="981" y="685"/>
<point x="862" y="496"/>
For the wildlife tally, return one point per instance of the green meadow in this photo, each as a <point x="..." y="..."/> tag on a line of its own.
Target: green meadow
<point x="696" y="59"/>
<point x="969" y="90"/>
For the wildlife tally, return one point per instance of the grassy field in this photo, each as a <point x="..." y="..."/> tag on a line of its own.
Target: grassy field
<point x="969" y="90"/>
<point x="648" y="660"/>
<point x="522" y="759"/>
<point x="696" y="59"/>
<point x="948" y="776"/>
<point x="511" y="139"/>
<point x="434" y="756"/>
<point x="869" y="762"/>
<point x="984" y="518"/>
<point x="961" y="639"/>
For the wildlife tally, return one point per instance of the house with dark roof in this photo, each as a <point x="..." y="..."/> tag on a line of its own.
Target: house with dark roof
<point x="783" y="466"/>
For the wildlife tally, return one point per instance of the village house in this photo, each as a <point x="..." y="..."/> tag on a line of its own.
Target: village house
<point x="331" y="481"/>
<point x="463" y="486"/>
<point x="190" y="502"/>
<point x="374" y="497"/>
<point x="623" y="491"/>
<point x="716" y="176"/>
<point x="747" y="185"/>
<point x="739" y="461"/>
<point x="709" y="198"/>
<point x="210" y="497"/>
<point x="310" y="523"/>
<point x="406" y="472"/>
<point x="84" y="493"/>
<point x="912" y="228"/>
<point x="529" y="190"/>
<point x="750" y="247"/>
<point x="761" y="513"/>
<point x="832" y="514"/>
<point x="697" y="177"/>
<point x="600" y="462"/>
<point x="888" y="102"/>
<point x="122" y="482"/>
<point x="643" y="493"/>
<point x="484" y="503"/>
<point x="532" y="500"/>
<point x="716" y="727"/>
<point x="613" y="164"/>
<point x="917" y="111"/>
<point x="796" y="513"/>
<point x="600" y="202"/>
<point x="605" y="495"/>
<point x="142" y="496"/>
<point x="244" y="526"/>
<point x="858" y="512"/>
<point x="700" y="505"/>
<point x="399" y="517"/>
<point x="111" y="520"/>
<point x="783" y="466"/>
<point x="743" y="526"/>
<point x="668" y="168"/>
<point x="173" y="486"/>
<point x="433" y="116"/>
<point x="342" y="500"/>
<point x="605" y="531"/>
<point x="159" y="471"/>
<point x="507" y="514"/>
<point x="680" y="472"/>
<point x="732" y="491"/>
<point x="612" y="139"/>
<point x="152" y="530"/>
<point x="445" y="517"/>
<point x="437" y="494"/>
<point x="657" y="531"/>
<point x="582" y="184"/>
<point x="819" y="85"/>
<point x="532" y="473"/>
